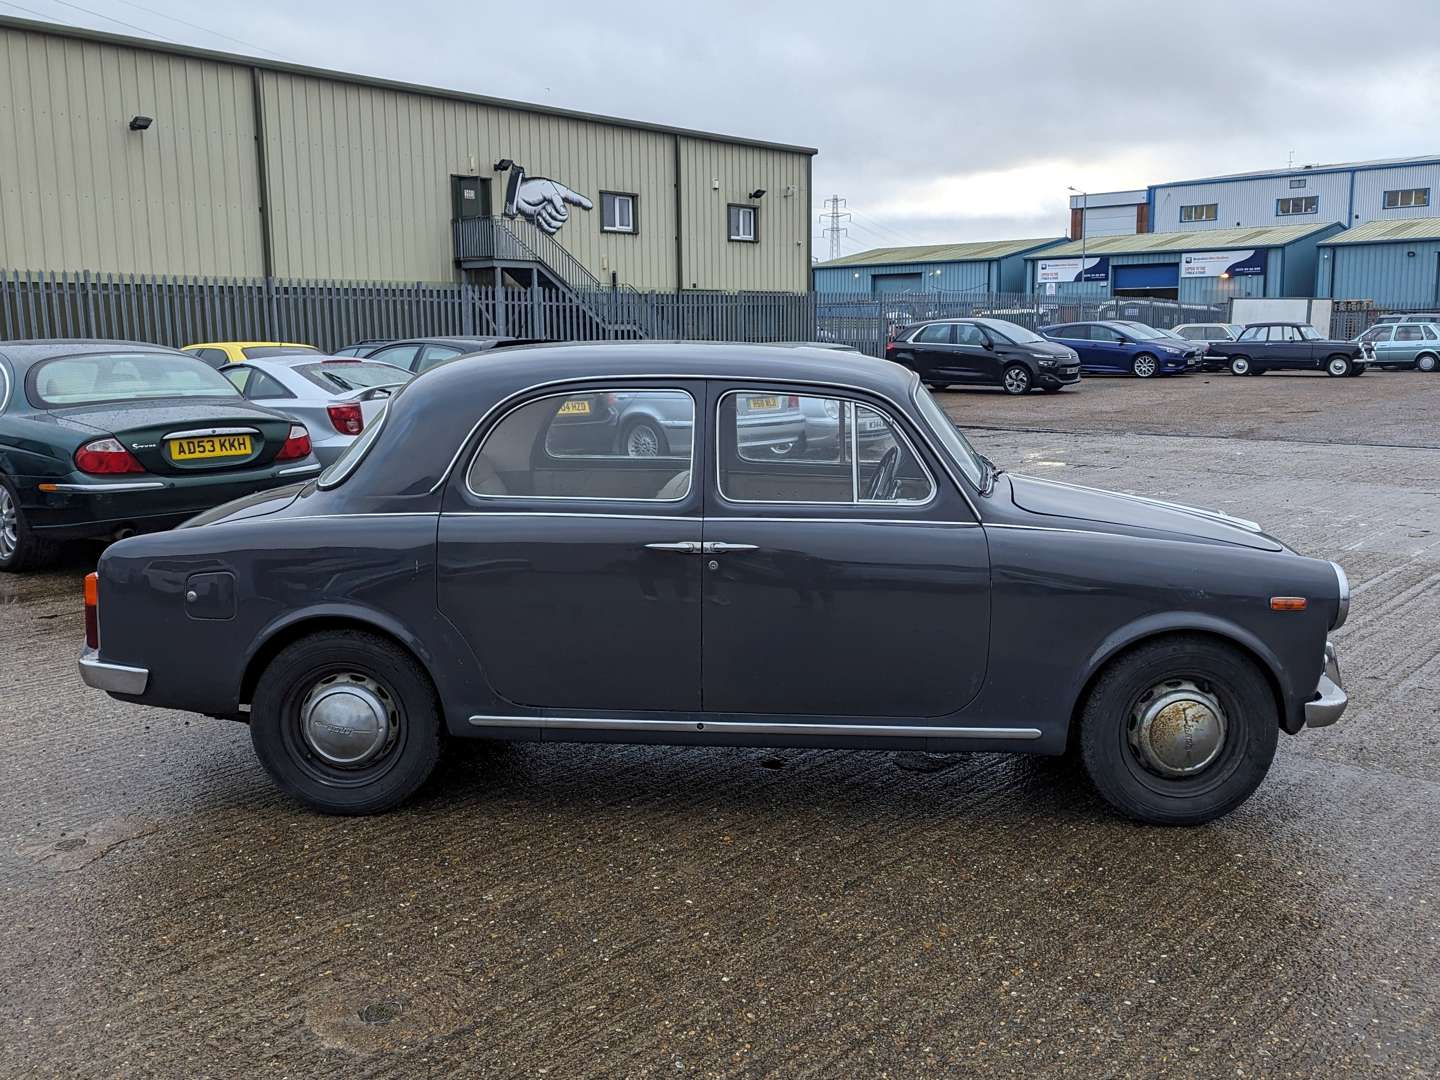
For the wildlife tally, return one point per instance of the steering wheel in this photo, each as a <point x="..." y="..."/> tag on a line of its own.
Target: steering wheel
<point x="884" y="478"/>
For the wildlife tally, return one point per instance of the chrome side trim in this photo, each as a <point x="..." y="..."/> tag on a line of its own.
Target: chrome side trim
<point x="746" y="727"/>
<point x="296" y="470"/>
<point x="1344" y="583"/>
<point x="726" y="519"/>
<point x="200" y="433"/>
<point x="112" y="678"/>
<point x="110" y="489"/>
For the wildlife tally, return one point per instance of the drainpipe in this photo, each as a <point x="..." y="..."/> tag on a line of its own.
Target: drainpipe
<point x="267" y="256"/>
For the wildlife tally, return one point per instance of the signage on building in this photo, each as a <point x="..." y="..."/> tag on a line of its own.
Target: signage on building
<point x="539" y="199"/>
<point x="1222" y="263"/>
<point x="1094" y="268"/>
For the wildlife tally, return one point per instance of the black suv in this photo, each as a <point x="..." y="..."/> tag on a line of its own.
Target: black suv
<point x="986" y="352"/>
<point x="1262" y="347"/>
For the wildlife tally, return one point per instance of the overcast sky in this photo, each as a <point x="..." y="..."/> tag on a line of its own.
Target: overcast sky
<point x="949" y="121"/>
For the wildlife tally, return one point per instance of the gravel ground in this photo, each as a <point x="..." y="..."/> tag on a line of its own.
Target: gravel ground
<point x="613" y="912"/>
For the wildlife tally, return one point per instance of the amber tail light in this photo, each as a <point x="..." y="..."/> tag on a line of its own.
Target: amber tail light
<point x="92" y="611"/>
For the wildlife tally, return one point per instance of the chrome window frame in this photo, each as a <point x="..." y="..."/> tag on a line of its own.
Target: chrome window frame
<point x="695" y="414"/>
<point x="7" y="384"/>
<point x="849" y="405"/>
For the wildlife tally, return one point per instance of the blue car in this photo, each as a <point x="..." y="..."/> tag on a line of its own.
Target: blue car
<point x="1114" y="346"/>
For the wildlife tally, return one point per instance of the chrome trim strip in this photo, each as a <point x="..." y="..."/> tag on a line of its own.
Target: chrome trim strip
<point x="200" y="433"/>
<point x="296" y="470"/>
<point x="112" y="678"/>
<point x="1344" y="583"/>
<point x="745" y="727"/>
<point x="689" y="487"/>
<point x="851" y="408"/>
<point x="137" y="485"/>
<point x="915" y="381"/>
<point x="725" y="519"/>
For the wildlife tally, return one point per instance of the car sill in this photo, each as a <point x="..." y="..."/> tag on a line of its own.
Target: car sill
<point x="747" y="727"/>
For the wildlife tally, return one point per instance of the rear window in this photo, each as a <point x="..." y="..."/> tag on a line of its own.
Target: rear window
<point x="357" y="376"/>
<point x="104" y="377"/>
<point x="259" y="352"/>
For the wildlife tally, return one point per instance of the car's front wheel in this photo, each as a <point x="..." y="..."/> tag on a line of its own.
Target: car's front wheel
<point x="1179" y="731"/>
<point x="1016" y="379"/>
<point x="1144" y="366"/>
<point x="346" y="722"/>
<point x="1240" y="365"/>
<point x="20" y="548"/>
<point x="1338" y="367"/>
<point x="1426" y="362"/>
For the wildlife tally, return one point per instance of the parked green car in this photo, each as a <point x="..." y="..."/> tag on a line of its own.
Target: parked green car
<point x="101" y="439"/>
<point x="1404" y="345"/>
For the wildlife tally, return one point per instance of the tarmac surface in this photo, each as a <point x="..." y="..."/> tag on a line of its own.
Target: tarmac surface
<point x="613" y="912"/>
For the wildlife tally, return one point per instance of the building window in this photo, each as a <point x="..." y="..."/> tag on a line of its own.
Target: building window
<point x="1298" y="183"/>
<point x="744" y="222"/>
<point x="1200" y="212"/>
<point x="1418" y="196"/>
<point x="617" y="212"/>
<point x="1299" y="204"/>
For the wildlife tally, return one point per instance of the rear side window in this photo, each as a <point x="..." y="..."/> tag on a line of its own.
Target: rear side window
<point x="1077" y="333"/>
<point x="1410" y="332"/>
<point x="934" y="334"/>
<point x="104" y="377"/>
<point x="214" y="357"/>
<point x="628" y="444"/>
<point x="778" y="448"/>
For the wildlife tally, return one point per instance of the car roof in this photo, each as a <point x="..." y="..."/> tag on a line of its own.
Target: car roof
<point x="247" y="345"/>
<point x="33" y="350"/>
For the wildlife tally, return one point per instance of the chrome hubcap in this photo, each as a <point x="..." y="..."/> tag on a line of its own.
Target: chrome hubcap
<point x="1178" y="729"/>
<point x="1144" y="367"/>
<point x="1240" y="367"/>
<point x="349" y="720"/>
<point x="1016" y="380"/>
<point x="1337" y="367"/>
<point x="643" y="442"/>
<point x="9" y="525"/>
<point x="1427" y="363"/>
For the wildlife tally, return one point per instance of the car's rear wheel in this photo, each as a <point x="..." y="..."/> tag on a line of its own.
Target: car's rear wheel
<point x="1144" y="366"/>
<point x="643" y="438"/>
<point x="1240" y="365"/>
<point x="938" y="386"/>
<point x="346" y="722"/>
<point x="1179" y="731"/>
<point x="20" y="548"/>
<point x="1338" y="367"/>
<point x="1016" y="379"/>
<point x="1426" y="362"/>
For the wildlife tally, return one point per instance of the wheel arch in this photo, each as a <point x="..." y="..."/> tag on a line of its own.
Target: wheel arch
<point x="1153" y="628"/>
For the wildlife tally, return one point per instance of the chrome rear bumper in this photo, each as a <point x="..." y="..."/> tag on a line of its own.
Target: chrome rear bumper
<point x="112" y="678"/>
<point x="1330" y="697"/>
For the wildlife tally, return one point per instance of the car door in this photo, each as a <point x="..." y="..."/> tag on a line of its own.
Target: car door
<point x="1077" y="337"/>
<point x="976" y="358"/>
<point x="1379" y="338"/>
<point x="848" y="584"/>
<point x="1405" y="346"/>
<point x="933" y="349"/>
<point x="572" y="571"/>
<point x="1289" y="349"/>
<point x="1109" y="350"/>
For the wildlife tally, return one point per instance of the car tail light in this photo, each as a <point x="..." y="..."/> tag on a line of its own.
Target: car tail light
<point x="346" y="419"/>
<point x="793" y="401"/>
<point x="890" y="346"/>
<point x="297" y="443"/>
<point x="92" y="611"/>
<point x="106" y="457"/>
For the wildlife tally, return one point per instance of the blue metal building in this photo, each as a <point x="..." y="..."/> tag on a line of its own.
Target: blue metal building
<point x="1394" y="263"/>
<point x="985" y="267"/>
<point x="1191" y="267"/>
<point x="1351" y="193"/>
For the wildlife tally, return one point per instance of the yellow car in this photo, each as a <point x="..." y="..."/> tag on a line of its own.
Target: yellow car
<point x="219" y="353"/>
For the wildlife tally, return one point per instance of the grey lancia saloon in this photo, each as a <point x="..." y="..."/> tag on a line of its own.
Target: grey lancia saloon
<point x="465" y="571"/>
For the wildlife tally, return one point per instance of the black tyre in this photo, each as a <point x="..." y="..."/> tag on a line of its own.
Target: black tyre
<point x="1426" y="362"/>
<point x="1145" y="366"/>
<point x="1338" y="367"/>
<point x="1179" y="731"/>
<point x="20" y="548"/>
<point x="1240" y="365"/>
<point x="938" y="386"/>
<point x="346" y="722"/>
<point x="643" y="438"/>
<point x="1016" y="379"/>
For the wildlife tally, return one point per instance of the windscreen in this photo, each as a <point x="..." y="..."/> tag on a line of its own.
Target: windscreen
<point x="345" y="377"/>
<point x="1012" y="332"/>
<point x="93" y="378"/>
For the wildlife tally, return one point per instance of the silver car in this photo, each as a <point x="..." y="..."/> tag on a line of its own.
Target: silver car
<point x="334" y="397"/>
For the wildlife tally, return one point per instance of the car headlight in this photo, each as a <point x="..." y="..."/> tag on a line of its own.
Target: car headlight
<point x="1046" y="361"/>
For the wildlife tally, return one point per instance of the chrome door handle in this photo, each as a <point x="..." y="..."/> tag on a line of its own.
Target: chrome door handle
<point x="685" y="547"/>
<point x="719" y="547"/>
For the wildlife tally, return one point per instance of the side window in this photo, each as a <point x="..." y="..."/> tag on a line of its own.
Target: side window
<point x="969" y="334"/>
<point x="214" y="357"/>
<point x="1104" y="333"/>
<point x="1430" y="334"/>
<point x="1078" y="332"/>
<point x="399" y="355"/>
<point x="934" y="334"/>
<point x="434" y="354"/>
<point x="239" y="375"/>
<point x="776" y="448"/>
<point x="1408" y="333"/>
<point x="262" y="385"/>
<point x="1252" y="333"/>
<point x="1376" y="333"/>
<point x="603" y="444"/>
